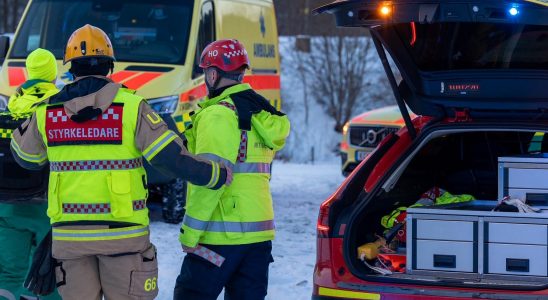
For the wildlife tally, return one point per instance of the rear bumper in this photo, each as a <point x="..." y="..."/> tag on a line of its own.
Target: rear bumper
<point x="392" y="292"/>
<point x="324" y="298"/>
<point x="323" y="293"/>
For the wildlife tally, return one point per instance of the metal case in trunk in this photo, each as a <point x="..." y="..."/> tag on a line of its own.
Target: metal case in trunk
<point x="470" y="240"/>
<point x="524" y="177"/>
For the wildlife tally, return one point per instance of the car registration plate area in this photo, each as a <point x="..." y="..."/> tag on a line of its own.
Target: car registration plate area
<point x="361" y="155"/>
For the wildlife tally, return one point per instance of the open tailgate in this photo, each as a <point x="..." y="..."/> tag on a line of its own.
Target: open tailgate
<point x="488" y="58"/>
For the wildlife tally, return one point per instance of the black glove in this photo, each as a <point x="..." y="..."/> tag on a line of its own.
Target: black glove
<point x="41" y="278"/>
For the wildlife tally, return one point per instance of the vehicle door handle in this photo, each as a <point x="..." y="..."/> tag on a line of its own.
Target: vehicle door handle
<point x="517" y="265"/>
<point x="445" y="261"/>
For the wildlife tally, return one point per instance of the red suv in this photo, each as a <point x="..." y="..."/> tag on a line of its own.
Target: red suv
<point x="476" y="74"/>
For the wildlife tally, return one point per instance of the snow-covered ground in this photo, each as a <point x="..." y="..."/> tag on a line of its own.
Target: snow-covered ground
<point x="298" y="191"/>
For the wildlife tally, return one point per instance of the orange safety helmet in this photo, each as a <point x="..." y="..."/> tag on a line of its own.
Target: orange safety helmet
<point x="88" y="41"/>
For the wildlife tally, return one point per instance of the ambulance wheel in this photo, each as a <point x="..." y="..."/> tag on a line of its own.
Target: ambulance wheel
<point x="174" y="200"/>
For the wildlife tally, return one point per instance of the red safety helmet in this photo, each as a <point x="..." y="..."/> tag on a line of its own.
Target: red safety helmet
<point x="227" y="55"/>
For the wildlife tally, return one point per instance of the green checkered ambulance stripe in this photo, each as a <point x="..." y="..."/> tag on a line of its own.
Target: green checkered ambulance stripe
<point x="5" y="133"/>
<point x="259" y="168"/>
<point x="214" y="226"/>
<point x="98" y="234"/>
<point x="96" y="208"/>
<point x="95" y="165"/>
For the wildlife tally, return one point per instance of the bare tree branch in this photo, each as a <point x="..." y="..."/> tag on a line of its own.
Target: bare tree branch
<point x="338" y="69"/>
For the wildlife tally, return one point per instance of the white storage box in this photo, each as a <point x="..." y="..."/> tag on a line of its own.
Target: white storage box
<point x="445" y="256"/>
<point x="445" y="230"/>
<point x="469" y="239"/>
<point x="524" y="177"/>
<point x="517" y="259"/>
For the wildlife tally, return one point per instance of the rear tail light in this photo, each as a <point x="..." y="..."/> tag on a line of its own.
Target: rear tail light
<point x="323" y="218"/>
<point x="323" y="226"/>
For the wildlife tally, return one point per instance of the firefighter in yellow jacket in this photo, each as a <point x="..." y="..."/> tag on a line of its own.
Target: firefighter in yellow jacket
<point x="95" y="133"/>
<point x="24" y="223"/>
<point x="227" y="233"/>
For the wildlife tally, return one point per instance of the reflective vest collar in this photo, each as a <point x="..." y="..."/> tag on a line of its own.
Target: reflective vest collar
<point x="231" y="90"/>
<point x="30" y="83"/>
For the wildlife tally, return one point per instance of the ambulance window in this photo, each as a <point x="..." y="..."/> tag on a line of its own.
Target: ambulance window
<point x="206" y="34"/>
<point x="31" y="34"/>
<point x="140" y="30"/>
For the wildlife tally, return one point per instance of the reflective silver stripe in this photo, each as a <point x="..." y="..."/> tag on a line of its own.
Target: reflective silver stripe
<point x="93" y="165"/>
<point x="7" y="294"/>
<point x="160" y="144"/>
<point x="214" y="226"/>
<point x="218" y="159"/>
<point x="215" y="175"/>
<point x="259" y="168"/>
<point x="96" y="208"/>
<point x="82" y="234"/>
<point x="239" y="167"/>
<point x="28" y="157"/>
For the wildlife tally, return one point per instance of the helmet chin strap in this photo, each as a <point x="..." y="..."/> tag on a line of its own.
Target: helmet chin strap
<point x="112" y="67"/>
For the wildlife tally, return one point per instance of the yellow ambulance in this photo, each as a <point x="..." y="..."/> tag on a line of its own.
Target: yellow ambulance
<point x="157" y="46"/>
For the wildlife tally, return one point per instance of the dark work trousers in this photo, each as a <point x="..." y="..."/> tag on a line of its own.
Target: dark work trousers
<point x="244" y="274"/>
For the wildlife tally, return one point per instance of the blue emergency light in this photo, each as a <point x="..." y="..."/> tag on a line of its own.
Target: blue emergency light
<point x="513" y="11"/>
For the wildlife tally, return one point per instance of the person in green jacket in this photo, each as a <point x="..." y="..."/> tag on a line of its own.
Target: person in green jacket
<point x="227" y="233"/>
<point x="24" y="225"/>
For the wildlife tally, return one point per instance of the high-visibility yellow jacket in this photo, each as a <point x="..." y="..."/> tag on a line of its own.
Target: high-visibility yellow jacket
<point x="95" y="181"/>
<point x="95" y="135"/>
<point x="241" y="213"/>
<point x="21" y="105"/>
<point x="24" y="102"/>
